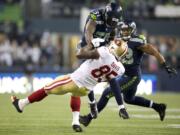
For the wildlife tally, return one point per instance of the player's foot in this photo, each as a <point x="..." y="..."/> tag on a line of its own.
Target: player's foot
<point x="15" y="102"/>
<point x="94" y="110"/>
<point x="85" y="120"/>
<point x="77" y="128"/>
<point x="123" y="113"/>
<point x="161" y="109"/>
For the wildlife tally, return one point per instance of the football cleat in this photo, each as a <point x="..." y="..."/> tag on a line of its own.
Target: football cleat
<point x="123" y="113"/>
<point x="15" y="102"/>
<point x="94" y="110"/>
<point x="161" y="109"/>
<point x="84" y="120"/>
<point x="77" y="128"/>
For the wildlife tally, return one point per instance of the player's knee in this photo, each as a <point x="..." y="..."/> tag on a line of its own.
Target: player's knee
<point x="128" y="100"/>
<point x="107" y="93"/>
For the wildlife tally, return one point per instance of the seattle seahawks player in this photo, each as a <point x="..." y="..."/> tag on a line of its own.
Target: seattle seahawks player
<point x="137" y="46"/>
<point x="100" y="23"/>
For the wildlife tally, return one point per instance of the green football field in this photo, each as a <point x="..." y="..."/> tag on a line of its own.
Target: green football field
<point x="53" y="117"/>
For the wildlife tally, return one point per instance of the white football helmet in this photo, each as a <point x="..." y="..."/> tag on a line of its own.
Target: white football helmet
<point x="118" y="48"/>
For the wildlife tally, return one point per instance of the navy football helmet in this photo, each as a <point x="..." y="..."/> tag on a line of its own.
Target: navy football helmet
<point x="113" y="13"/>
<point x="127" y="29"/>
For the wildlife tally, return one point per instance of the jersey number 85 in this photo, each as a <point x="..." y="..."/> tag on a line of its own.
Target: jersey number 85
<point x="103" y="71"/>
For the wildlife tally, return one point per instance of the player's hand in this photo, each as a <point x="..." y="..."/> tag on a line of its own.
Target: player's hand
<point x="170" y="70"/>
<point x="97" y="42"/>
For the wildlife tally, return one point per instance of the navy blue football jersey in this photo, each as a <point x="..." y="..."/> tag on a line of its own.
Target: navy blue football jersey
<point x="101" y="30"/>
<point x="133" y="58"/>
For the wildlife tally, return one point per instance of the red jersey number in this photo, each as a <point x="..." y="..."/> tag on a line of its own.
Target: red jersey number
<point x="103" y="71"/>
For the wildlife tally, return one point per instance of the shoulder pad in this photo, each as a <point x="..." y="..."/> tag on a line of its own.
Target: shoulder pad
<point x="139" y="38"/>
<point x="142" y="37"/>
<point x="94" y="14"/>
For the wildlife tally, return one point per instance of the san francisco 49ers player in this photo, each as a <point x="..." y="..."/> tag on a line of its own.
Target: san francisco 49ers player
<point x="104" y="67"/>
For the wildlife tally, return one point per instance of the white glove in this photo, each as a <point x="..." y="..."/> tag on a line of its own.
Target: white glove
<point x="97" y="42"/>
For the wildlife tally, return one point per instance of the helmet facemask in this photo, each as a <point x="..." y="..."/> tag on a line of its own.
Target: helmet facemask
<point x="127" y="29"/>
<point x="126" y="33"/>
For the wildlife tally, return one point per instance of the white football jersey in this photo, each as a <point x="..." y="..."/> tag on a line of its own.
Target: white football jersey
<point x="93" y="71"/>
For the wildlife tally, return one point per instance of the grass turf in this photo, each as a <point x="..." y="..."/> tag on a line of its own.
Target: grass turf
<point x="53" y="116"/>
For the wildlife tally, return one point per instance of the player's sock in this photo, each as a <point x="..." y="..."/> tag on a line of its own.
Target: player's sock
<point x="37" y="96"/>
<point x="75" y="118"/>
<point x="22" y="103"/>
<point x="75" y="107"/>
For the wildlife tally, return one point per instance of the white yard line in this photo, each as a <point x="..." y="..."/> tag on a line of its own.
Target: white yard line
<point x="173" y="125"/>
<point x="143" y="109"/>
<point x="153" y="116"/>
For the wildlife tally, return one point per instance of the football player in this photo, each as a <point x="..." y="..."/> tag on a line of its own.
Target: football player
<point x="104" y="67"/>
<point x="137" y="46"/>
<point x="100" y="23"/>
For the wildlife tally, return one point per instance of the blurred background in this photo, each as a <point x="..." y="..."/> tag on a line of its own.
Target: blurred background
<point x="38" y="39"/>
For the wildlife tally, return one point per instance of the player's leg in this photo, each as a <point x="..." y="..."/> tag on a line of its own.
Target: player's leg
<point x="130" y="98"/>
<point x="34" y="97"/>
<point x="86" y="119"/>
<point x="75" y="104"/>
<point x="61" y="85"/>
<point x="106" y="95"/>
<point x="141" y="101"/>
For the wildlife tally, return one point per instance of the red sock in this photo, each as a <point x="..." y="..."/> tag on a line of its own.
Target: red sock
<point x="75" y="103"/>
<point x="37" y="95"/>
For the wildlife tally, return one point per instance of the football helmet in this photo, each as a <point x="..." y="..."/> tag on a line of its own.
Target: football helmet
<point x="118" y="48"/>
<point x="127" y="28"/>
<point x="113" y="13"/>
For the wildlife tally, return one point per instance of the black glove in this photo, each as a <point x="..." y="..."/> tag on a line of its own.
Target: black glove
<point x="170" y="70"/>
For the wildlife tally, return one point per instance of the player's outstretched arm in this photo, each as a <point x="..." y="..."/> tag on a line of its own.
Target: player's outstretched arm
<point x="151" y="50"/>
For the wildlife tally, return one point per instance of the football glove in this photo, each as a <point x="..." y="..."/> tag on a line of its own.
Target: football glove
<point x="170" y="70"/>
<point x="97" y="42"/>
